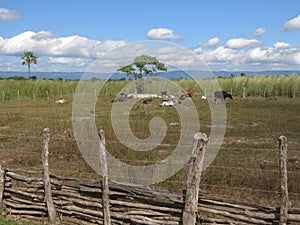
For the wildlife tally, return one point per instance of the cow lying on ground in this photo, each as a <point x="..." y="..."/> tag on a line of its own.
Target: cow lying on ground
<point x="172" y="102"/>
<point x="61" y="101"/>
<point x="147" y="101"/>
<point x="222" y="95"/>
<point x="190" y="93"/>
<point x="121" y="98"/>
<point x="187" y="94"/>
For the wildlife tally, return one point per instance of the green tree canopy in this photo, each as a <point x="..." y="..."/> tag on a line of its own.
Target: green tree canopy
<point x="28" y="58"/>
<point x="143" y="65"/>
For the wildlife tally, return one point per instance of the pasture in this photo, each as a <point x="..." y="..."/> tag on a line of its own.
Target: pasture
<point x="246" y="167"/>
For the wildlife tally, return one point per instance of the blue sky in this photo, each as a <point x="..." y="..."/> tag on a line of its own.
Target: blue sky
<point x="226" y="35"/>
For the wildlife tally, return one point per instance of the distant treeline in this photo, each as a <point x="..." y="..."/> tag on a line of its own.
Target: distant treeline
<point x="20" y="88"/>
<point x="31" y="78"/>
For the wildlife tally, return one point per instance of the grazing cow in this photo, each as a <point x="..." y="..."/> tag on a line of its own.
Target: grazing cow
<point x="222" y="95"/>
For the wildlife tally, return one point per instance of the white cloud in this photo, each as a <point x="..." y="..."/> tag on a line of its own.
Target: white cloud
<point x="77" y="53"/>
<point x="43" y="35"/>
<point x="281" y="44"/>
<point x="163" y="34"/>
<point x="222" y="54"/>
<point x="292" y="24"/>
<point x="77" y="62"/>
<point x="44" y="43"/>
<point x="282" y="53"/>
<point x="175" y="56"/>
<point x="281" y="56"/>
<point x="7" y="14"/>
<point x="259" y="31"/>
<point x="70" y="52"/>
<point x="213" y="41"/>
<point x="238" y="43"/>
<point x="198" y="50"/>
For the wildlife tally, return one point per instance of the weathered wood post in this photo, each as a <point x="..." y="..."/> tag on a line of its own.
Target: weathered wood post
<point x="193" y="179"/>
<point x="104" y="182"/>
<point x="46" y="178"/>
<point x="283" y="180"/>
<point x="2" y="180"/>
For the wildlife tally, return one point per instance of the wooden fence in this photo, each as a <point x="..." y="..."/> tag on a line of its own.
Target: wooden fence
<point x="42" y="196"/>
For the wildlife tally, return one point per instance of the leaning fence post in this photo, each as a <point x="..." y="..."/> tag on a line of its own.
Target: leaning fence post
<point x="104" y="173"/>
<point x="2" y="180"/>
<point x="46" y="177"/>
<point x="193" y="179"/>
<point x="283" y="180"/>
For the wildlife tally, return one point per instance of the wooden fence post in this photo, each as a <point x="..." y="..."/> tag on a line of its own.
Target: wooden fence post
<point x="283" y="180"/>
<point x="193" y="179"/>
<point x="2" y="180"/>
<point x="244" y="92"/>
<point x="104" y="173"/>
<point x="46" y="178"/>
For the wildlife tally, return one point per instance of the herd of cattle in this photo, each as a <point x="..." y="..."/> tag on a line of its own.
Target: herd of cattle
<point x="170" y="100"/>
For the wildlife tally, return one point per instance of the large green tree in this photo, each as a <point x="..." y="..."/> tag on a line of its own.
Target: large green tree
<point x="28" y="58"/>
<point x="142" y="66"/>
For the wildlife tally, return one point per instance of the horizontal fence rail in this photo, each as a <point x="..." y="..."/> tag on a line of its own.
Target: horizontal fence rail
<point x="43" y="196"/>
<point x="79" y="201"/>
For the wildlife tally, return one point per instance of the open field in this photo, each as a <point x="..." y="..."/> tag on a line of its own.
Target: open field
<point x="246" y="167"/>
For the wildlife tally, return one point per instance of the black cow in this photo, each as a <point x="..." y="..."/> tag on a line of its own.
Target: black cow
<point x="222" y="95"/>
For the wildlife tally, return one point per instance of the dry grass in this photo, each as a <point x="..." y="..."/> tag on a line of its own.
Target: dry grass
<point x="246" y="167"/>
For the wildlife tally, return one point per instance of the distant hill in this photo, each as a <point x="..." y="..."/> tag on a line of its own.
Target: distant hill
<point x="172" y="75"/>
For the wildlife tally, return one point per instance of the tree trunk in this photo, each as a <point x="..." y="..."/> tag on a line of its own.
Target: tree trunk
<point x="28" y="70"/>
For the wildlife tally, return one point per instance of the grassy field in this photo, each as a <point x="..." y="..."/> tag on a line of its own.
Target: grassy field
<point x="246" y="167"/>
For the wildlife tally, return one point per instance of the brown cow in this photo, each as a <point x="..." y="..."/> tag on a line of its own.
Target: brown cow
<point x="190" y="92"/>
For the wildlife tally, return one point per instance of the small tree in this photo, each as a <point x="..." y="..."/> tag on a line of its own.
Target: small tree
<point x="142" y="66"/>
<point x="28" y="58"/>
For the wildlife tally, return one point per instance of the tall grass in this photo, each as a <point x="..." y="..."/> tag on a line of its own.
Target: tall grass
<point x="29" y="89"/>
<point x="262" y="85"/>
<point x="252" y="86"/>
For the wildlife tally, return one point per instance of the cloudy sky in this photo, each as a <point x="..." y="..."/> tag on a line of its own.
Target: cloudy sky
<point x="226" y="35"/>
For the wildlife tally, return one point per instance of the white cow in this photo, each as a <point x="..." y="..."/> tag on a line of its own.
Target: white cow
<point x="61" y="101"/>
<point x="172" y="102"/>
